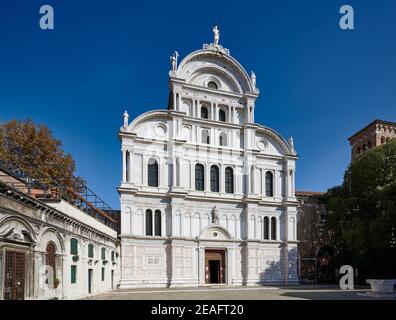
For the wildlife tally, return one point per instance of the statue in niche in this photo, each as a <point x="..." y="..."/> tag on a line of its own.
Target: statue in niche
<point x="215" y="215"/>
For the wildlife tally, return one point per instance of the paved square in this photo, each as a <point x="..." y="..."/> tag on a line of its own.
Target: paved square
<point x="302" y="292"/>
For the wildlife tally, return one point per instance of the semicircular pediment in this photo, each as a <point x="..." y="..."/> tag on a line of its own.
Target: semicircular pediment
<point x="215" y="232"/>
<point x="224" y="80"/>
<point x="202" y="64"/>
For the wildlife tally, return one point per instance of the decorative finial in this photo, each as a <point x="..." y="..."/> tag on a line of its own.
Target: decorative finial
<point x="173" y="60"/>
<point x="126" y="116"/>
<point x="216" y="35"/>
<point x="253" y="77"/>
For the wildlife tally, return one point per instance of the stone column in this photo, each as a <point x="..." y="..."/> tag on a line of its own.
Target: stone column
<point x="222" y="178"/>
<point x="197" y="109"/>
<point x="201" y="265"/>
<point x="174" y="170"/>
<point x="207" y="177"/>
<point x="192" y="176"/>
<point x="238" y="227"/>
<point x="37" y="258"/>
<point x="131" y="166"/>
<point x="174" y="101"/>
<point x="144" y="178"/>
<point x="229" y="266"/>
<point x="179" y="102"/>
<point x="252" y="172"/>
<point x="163" y="224"/>
<point x="123" y="165"/>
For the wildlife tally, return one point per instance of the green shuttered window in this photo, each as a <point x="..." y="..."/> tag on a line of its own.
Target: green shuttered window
<point x="73" y="274"/>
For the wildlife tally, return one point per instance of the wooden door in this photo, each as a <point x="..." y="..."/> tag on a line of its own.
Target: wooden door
<point x="14" y="284"/>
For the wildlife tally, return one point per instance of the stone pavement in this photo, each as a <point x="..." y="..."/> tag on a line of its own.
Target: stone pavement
<point x="301" y="292"/>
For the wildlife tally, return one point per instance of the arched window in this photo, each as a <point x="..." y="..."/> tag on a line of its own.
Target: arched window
<point x="212" y="85"/>
<point x="269" y="184"/>
<point x="214" y="178"/>
<point x="152" y="171"/>
<point x="222" y="115"/>
<point x="103" y="254"/>
<point x="266" y="228"/>
<point x="204" y="112"/>
<point x="382" y="140"/>
<point x="157" y="222"/>
<point x="205" y="137"/>
<point x="149" y="222"/>
<point x="74" y="246"/>
<point x="199" y="177"/>
<point x="90" y="250"/>
<point x="50" y="260"/>
<point x="273" y="228"/>
<point x="223" y="139"/>
<point x="229" y="180"/>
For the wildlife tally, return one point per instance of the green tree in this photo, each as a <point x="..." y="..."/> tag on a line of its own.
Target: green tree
<point x="32" y="149"/>
<point x="362" y="219"/>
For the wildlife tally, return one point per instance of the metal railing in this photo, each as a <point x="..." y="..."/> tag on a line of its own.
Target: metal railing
<point x="72" y="189"/>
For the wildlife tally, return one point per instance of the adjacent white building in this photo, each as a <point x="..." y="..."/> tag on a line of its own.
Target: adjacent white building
<point x="50" y="248"/>
<point x="207" y="195"/>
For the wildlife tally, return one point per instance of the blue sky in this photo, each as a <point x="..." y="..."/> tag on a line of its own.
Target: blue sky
<point x="318" y="83"/>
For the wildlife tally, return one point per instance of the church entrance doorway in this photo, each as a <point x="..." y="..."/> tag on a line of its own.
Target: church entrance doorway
<point x="214" y="266"/>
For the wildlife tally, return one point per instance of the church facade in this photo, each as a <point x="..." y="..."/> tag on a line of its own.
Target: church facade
<point x="207" y="195"/>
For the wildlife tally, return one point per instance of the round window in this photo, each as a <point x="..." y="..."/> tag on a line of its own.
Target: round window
<point x="212" y="85"/>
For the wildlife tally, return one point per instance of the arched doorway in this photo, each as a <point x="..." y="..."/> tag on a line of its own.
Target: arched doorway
<point x="325" y="272"/>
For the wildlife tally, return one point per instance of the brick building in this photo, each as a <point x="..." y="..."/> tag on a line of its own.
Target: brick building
<point x="374" y="134"/>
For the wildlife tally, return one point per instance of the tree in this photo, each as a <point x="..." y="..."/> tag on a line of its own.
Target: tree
<point x="32" y="149"/>
<point x="362" y="219"/>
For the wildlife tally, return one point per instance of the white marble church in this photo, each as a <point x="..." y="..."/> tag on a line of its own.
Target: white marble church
<point x="207" y="195"/>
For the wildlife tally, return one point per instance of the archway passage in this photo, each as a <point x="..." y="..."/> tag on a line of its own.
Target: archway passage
<point x="215" y="266"/>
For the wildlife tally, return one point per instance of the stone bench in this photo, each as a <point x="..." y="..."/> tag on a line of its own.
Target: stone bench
<point x="382" y="285"/>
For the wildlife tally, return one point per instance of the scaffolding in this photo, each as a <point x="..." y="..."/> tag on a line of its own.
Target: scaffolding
<point x="71" y="189"/>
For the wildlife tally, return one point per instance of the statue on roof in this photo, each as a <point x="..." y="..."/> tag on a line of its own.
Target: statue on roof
<point x="253" y="77"/>
<point x="126" y="116"/>
<point x="216" y="34"/>
<point x="291" y="144"/>
<point x="173" y="60"/>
